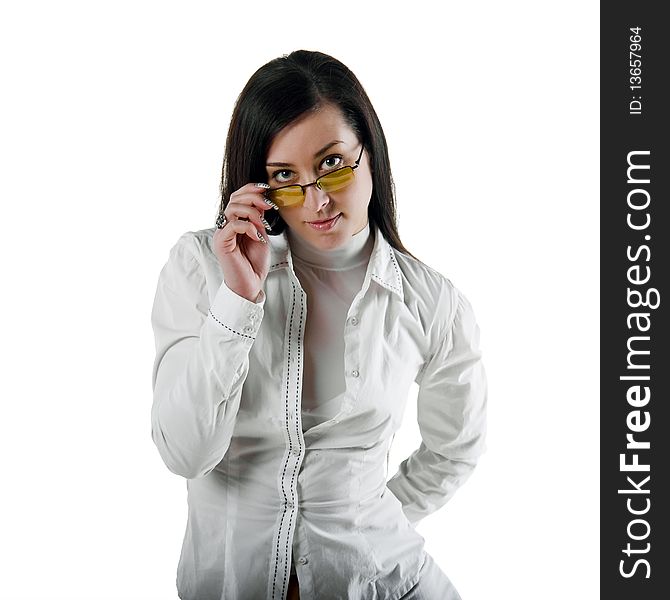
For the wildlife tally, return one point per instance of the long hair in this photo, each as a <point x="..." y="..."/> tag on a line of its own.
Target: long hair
<point x="280" y="92"/>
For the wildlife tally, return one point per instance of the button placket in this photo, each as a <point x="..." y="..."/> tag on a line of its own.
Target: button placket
<point x="291" y="394"/>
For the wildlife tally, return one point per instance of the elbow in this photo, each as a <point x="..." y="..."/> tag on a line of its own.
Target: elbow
<point x="187" y="465"/>
<point x="191" y="471"/>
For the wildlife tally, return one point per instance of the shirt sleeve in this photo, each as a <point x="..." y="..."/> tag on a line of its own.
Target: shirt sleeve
<point x="451" y="414"/>
<point x="202" y="360"/>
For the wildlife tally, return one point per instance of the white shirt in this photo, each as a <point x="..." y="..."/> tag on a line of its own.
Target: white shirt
<point x="226" y="415"/>
<point x="331" y="279"/>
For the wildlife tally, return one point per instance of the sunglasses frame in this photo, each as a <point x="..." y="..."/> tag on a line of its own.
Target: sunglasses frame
<point x="316" y="182"/>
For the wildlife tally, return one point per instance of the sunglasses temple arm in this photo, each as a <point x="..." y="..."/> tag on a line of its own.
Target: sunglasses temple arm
<point x="359" y="156"/>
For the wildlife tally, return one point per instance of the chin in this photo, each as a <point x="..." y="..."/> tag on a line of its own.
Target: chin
<point x="328" y="241"/>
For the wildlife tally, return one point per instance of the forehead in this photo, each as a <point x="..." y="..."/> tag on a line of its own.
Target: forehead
<point x="311" y="132"/>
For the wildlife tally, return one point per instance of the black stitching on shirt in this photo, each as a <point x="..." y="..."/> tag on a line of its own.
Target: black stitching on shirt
<point x="286" y="407"/>
<point x="279" y="264"/>
<point x="395" y="265"/>
<point x="386" y="283"/>
<point x="298" y="380"/>
<point x="297" y="405"/>
<point x="383" y="281"/>
<point x="251" y="337"/>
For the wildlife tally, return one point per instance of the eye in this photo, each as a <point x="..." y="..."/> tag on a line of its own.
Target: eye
<point x="282" y="176"/>
<point x="332" y="162"/>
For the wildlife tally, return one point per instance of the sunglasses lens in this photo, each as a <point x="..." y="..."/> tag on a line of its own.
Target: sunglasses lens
<point x="336" y="180"/>
<point x="288" y="196"/>
<point x="292" y="195"/>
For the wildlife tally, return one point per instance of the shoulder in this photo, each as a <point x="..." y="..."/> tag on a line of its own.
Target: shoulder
<point x="416" y="271"/>
<point x="193" y="253"/>
<point x="195" y="244"/>
<point x="191" y="261"/>
<point x="432" y="290"/>
<point x="447" y="312"/>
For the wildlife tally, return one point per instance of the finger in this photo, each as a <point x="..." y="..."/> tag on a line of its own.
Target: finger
<point x="245" y="228"/>
<point x="226" y="239"/>
<point x="256" y="188"/>
<point x="251" y="189"/>
<point x="253" y="193"/>
<point x="260" y="202"/>
<point x="242" y="211"/>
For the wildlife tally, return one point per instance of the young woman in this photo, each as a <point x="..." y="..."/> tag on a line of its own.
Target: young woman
<point x="287" y="339"/>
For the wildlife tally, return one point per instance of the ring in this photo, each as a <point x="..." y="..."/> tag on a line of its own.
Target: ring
<point x="221" y="221"/>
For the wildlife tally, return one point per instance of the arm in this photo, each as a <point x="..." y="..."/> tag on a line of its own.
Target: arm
<point x="452" y="420"/>
<point x="202" y="360"/>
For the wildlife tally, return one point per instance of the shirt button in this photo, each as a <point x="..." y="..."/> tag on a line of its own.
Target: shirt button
<point x="355" y="373"/>
<point x="289" y="504"/>
<point x="354" y="320"/>
<point x="296" y="451"/>
<point x="248" y="329"/>
<point x="302" y="560"/>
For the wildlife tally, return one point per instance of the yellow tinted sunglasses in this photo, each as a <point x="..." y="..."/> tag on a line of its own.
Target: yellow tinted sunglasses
<point x="294" y="195"/>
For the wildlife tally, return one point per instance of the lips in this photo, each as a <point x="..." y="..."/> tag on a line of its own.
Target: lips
<point x="325" y="224"/>
<point x="323" y="220"/>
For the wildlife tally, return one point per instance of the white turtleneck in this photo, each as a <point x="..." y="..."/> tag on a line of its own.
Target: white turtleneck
<point x="331" y="279"/>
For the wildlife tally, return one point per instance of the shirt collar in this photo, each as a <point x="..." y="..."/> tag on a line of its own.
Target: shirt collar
<point x="383" y="266"/>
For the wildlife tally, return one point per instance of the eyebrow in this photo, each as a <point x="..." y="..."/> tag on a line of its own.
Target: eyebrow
<point x="319" y="153"/>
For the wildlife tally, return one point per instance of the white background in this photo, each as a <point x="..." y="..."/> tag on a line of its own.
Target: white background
<point x="113" y="121"/>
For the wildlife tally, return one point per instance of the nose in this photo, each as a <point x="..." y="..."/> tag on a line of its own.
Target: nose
<point x="315" y="199"/>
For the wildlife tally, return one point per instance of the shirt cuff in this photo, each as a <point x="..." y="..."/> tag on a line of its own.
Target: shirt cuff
<point x="237" y="314"/>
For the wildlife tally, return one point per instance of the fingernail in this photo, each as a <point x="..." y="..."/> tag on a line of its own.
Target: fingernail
<point x="271" y="203"/>
<point x="265" y="186"/>
<point x="267" y="225"/>
<point x="260" y="237"/>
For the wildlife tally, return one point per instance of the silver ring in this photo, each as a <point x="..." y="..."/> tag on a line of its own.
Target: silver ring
<point x="221" y="221"/>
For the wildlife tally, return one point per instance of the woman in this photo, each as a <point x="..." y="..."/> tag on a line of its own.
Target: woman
<point x="286" y="342"/>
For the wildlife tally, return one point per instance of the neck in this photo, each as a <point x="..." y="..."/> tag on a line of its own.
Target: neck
<point x="353" y="253"/>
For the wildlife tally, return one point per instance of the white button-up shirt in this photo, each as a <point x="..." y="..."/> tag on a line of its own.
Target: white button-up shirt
<point x="262" y="493"/>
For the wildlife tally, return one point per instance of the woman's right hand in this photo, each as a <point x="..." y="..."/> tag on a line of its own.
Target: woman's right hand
<point x="241" y="246"/>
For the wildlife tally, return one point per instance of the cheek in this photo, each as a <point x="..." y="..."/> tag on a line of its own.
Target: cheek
<point x="295" y="215"/>
<point x="289" y="215"/>
<point x="364" y="194"/>
<point x="360" y="193"/>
